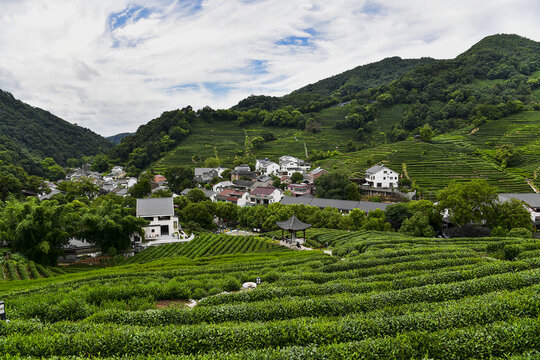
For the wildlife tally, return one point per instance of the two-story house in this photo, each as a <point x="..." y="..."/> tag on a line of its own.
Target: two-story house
<point x="300" y="189"/>
<point x="379" y="176"/>
<point x="160" y="213"/>
<point x="237" y="197"/>
<point x="264" y="196"/>
<point x="288" y="165"/>
<point x="266" y="167"/>
<point x="205" y="175"/>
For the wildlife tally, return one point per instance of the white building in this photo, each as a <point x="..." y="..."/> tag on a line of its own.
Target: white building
<point x="220" y="186"/>
<point x="265" y="196"/>
<point x="266" y="167"/>
<point x="204" y="175"/>
<point x="379" y="176"/>
<point x="160" y="213"/>
<point x="289" y="165"/>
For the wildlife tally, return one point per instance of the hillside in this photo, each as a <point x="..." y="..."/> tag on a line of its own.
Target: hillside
<point x="462" y="155"/>
<point x="382" y="295"/>
<point x="42" y="134"/>
<point x="495" y="81"/>
<point x="116" y="139"/>
<point x="341" y="85"/>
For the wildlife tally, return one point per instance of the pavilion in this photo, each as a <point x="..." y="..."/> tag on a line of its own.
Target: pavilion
<point x="292" y="225"/>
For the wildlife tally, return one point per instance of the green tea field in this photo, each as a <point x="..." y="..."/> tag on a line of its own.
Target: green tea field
<point x="379" y="296"/>
<point x="462" y="155"/>
<point x="227" y="140"/>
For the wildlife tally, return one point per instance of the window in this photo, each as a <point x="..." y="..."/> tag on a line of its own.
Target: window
<point x="164" y="218"/>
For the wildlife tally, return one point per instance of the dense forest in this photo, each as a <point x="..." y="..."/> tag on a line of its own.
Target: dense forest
<point x="44" y="135"/>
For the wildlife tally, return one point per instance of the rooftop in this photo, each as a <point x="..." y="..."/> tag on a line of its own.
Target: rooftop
<point x="264" y="191"/>
<point x="155" y="207"/>
<point x="531" y="199"/>
<point x="348" y="205"/>
<point x="293" y="224"/>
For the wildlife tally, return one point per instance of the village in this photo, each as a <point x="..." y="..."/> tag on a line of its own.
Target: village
<point x="290" y="181"/>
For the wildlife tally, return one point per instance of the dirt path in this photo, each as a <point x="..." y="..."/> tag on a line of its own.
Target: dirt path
<point x="404" y="166"/>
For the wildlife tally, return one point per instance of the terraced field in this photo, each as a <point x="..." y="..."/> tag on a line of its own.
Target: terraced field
<point x="20" y="268"/>
<point x="229" y="139"/>
<point x="384" y="296"/>
<point x="207" y="245"/>
<point x="432" y="165"/>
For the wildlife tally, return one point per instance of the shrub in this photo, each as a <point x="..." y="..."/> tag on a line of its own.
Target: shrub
<point x="471" y="231"/>
<point x="510" y="252"/>
<point x="520" y="233"/>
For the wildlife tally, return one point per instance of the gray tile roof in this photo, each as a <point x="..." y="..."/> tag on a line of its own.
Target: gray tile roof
<point x="531" y="199"/>
<point x="293" y="224"/>
<point x="348" y="205"/>
<point x="208" y="193"/>
<point x="375" y="169"/>
<point x="155" y="207"/>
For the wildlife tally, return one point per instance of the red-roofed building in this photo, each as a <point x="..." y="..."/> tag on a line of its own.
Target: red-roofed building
<point x="237" y="197"/>
<point x="264" y="196"/>
<point x="300" y="189"/>
<point x="159" y="179"/>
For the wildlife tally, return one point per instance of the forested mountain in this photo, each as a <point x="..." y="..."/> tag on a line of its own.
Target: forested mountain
<point x="118" y="137"/>
<point x="329" y="90"/>
<point x="44" y="135"/>
<point x="384" y="102"/>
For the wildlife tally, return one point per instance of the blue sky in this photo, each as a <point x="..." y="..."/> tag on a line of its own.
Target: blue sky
<point x="113" y="65"/>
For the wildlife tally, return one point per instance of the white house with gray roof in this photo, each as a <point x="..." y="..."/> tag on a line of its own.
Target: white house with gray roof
<point x="266" y="167"/>
<point x="160" y="212"/>
<point x="379" y="176"/>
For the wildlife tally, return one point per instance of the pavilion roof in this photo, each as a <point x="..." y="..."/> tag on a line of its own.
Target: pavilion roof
<point x="293" y="224"/>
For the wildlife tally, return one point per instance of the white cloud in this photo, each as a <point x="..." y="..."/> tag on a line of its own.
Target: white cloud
<point x="114" y="65"/>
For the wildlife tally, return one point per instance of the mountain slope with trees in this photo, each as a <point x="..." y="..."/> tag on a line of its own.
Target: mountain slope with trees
<point x="43" y="134"/>
<point x="376" y="104"/>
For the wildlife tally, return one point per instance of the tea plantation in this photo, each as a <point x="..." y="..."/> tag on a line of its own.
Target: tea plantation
<point x="380" y="295"/>
<point x="461" y="155"/>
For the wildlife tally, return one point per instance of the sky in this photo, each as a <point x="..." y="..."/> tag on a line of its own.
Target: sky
<point x="113" y="65"/>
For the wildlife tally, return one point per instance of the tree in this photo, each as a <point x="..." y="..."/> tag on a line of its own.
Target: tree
<point x="297" y="177"/>
<point x="508" y="155"/>
<point x="110" y="225"/>
<point x="376" y="221"/>
<point x="198" y="212"/>
<point x="142" y="188"/>
<point x="179" y="178"/>
<point x="101" y="163"/>
<point x="512" y="214"/>
<point x="196" y="195"/>
<point x="84" y="188"/>
<point x="417" y="225"/>
<point x="228" y="212"/>
<point x="53" y="171"/>
<point x="397" y="213"/>
<point x="257" y="142"/>
<point x="212" y="162"/>
<point x="37" y="230"/>
<point x="468" y="203"/>
<point x="426" y="133"/>
<point x="332" y="186"/>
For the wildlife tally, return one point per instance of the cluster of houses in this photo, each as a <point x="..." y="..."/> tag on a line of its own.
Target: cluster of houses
<point x="248" y="187"/>
<point x="115" y="182"/>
